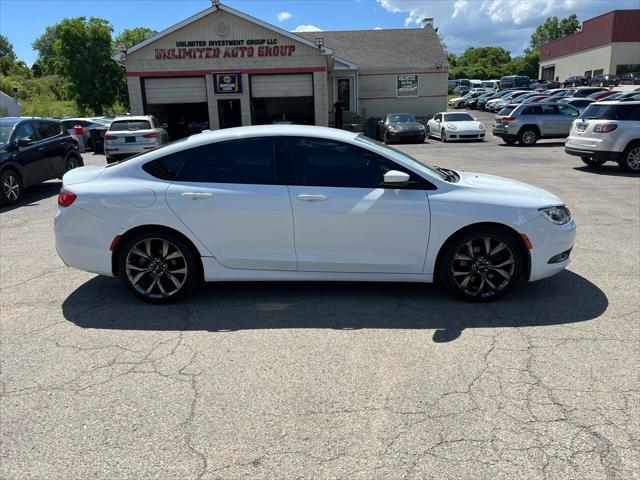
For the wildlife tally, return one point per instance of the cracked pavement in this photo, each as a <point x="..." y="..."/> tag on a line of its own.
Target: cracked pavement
<point x="312" y="380"/>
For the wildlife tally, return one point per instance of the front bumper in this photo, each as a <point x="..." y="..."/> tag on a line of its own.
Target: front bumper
<point x="453" y="135"/>
<point x="407" y="136"/>
<point x="548" y="240"/>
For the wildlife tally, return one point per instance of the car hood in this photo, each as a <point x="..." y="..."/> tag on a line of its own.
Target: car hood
<point x="465" y="125"/>
<point x="406" y="126"/>
<point x="507" y="191"/>
<point x="81" y="175"/>
<point x="457" y="99"/>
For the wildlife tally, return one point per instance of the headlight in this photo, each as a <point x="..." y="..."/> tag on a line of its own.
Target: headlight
<point x="558" y="215"/>
<point x="420" y="127"/>
<point x="451" y="126"/>
<point x="481" y="126"/>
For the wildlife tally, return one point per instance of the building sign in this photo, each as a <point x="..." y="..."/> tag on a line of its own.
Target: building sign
<point x="407" y="86"/>
<point x="227" y="83"/>
<point x="253" y="47"/>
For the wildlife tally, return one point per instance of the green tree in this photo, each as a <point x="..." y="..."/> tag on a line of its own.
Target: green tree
<point x="83" y="50"/>
<point x="45" y="63"/>
<point x="132" y="36"/>
<point x="482" y="62"/>
<point x="7" y="55"/>
<point x="552" y="29"/>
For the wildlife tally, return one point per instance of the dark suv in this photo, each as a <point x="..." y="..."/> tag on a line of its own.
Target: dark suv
<point x="576" y="81"/>
<point x="605" y="80"/>
<point x="33" y="150"/>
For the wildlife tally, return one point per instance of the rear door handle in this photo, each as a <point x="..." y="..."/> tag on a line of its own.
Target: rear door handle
<point x="304" y="197"/>
<point x="196" y="195"/>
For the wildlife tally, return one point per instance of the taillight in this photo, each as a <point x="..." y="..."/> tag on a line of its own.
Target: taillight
<point x="66" y="198"/>
<point x="508" y="119"/>
<point x="110" y="137"/>
<point x="605" y="127"/>
<point x="150" y="135"/>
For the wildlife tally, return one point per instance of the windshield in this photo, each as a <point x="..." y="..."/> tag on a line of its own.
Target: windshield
<point x="458" y="117"/>
<point x="5" y="133"/>
<point x="421" y="167"/>
<point x="124" y="125"/>
<point x="401" y="118"/>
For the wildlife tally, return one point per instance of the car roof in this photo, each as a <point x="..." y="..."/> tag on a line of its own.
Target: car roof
<point x="132" y="118"/>
<point x="400" y="113"/>
<point x="617" y="102"/>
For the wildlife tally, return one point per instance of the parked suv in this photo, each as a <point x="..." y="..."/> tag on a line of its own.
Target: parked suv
<point x="607" y="131"/>
<point x="33" y="150"/>
<point x="131" y="135"/>
<point x="575" y="81"/>
<point x="605" y="80"/>
<point x="531" y="121"/>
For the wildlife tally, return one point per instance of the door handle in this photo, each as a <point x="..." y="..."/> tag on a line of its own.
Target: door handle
<point x="196" y="195"/>
<point x="41" y="148"/>
<point x="312" y="198"/>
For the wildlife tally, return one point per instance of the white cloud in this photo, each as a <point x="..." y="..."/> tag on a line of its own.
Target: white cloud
<point x="307" y="28"/>
<point x="378" y="28"/>
<point x="505" y="23"/>
<point x="282" y="16"/>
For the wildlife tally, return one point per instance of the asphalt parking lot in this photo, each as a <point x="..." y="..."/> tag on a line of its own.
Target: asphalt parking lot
<point x="311" y="380"/>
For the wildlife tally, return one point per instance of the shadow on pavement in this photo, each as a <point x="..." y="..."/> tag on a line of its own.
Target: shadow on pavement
<point x="539" y="144"/>
<point x="104" y="303"/>
<point x="606" y="169"/>
<point x="35" y="194"/>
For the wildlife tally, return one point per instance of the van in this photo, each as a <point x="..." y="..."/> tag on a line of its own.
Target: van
<point x="515" y="81"/>
<point x="493" y="85"/>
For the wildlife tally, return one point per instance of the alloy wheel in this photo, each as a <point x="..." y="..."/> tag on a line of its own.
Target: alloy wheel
<point x="633" y="159"/>
<point x="11" y="187"/>
<point x="483" y="267"/>
<point x="156" y="268"/>
<point x="529" y="137"/>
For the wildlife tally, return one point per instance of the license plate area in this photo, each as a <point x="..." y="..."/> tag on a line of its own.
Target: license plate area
<point x="582" y="128"/>
<point x="130" y="139"/>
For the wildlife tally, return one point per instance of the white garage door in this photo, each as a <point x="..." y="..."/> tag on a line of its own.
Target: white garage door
<point x="270" y="86"/>
<point x="175" y="90"/>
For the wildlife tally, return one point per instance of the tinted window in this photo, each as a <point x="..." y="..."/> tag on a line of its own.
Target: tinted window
<point x="532" y="110"/>
<point x="438" y="117"/>
<point x="5" y="132"/>
<point x="25" y="130"/>
<point x="611" y="112"/>
<point x="167" y="167"/>
<point x="124" y="125"/>
<point x="239" y="161"/>
<point x="401" y="118"/>
<point x="458" y="117"/>
<point x="48" y="129"/>
<point x="549" y="109"/>
<point x="565" y="110"/>
<point x="321" y="162"/>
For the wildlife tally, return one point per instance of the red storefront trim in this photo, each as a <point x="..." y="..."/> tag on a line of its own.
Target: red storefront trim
<point x="197" y="73"/>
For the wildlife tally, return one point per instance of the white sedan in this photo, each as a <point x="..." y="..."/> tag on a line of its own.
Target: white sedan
<point x="289" y="202"/>
<point x="455" y="126"/>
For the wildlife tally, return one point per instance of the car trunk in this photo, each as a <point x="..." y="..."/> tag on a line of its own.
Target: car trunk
<point x="132" y="137"/>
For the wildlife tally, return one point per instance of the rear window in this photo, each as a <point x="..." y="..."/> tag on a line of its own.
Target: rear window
<point x="506" y="111"/>
<point x="611" y="112"/>
<point x="125" y="125"/>
<point x="48" y="129"/>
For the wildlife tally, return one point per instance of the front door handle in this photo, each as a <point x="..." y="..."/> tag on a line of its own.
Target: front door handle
<point x="196" y="195"/>
<point x="304" y="197"/>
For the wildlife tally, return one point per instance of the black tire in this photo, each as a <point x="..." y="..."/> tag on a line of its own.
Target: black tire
<point x="385" y="138"/>
<point x="74" y="160"/>
<point x="527" y="136"/>
<point x="11" y="187"/>
<point x="509" y="140"/>
<point x="483" y="283"/>
<point x="427" y="132"/>
<point x="443" y="136"/>
<point x="592" y="162"/>
<point x="183" y="267"/>
<point x="630" y="161"/>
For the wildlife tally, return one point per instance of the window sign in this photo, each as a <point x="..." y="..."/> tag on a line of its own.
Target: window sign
<point x="407" y="85"/>
<point x="227" y="83"/>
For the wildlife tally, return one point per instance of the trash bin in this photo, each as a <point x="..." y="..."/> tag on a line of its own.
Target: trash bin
<point x="97" y="139"/>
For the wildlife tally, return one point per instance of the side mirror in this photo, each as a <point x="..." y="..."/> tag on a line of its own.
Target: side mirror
<point x="24" y="141"/>
<point x="394" y="177"/>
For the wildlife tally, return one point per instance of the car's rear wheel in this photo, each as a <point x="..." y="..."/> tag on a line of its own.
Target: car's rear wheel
<point x="158" y="267"/>
<point x="527" y="137"/>
<point x="480" y="266"/>
<point x="73" y="161"/>
<point x="10" y="188"/>
<point x="592" y="162"/>
<point x="385" y="138"/>
<point x="630" y="161"/>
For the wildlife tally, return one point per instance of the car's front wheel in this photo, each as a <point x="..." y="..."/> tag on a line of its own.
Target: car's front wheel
<point x="592" y="162"/>
<point x="10" y="188"/>
<point x="630" y="161"/>
<point x="480" y="266"/>
<point x="158" y="267"/>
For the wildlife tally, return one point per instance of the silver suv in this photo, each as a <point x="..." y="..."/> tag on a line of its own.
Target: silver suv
<point x="531" y="121"/>
<point x="607" y="131"/>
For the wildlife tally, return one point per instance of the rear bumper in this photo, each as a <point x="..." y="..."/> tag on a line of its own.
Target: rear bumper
<point x="594" y="154"/>
<point x="112" y="150"/>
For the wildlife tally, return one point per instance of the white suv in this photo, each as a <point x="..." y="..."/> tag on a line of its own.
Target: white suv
<point x="607" y="131"/>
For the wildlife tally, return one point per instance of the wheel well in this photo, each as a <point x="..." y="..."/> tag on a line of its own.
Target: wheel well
<point x="13" y="169"/>
<point x="147" y="229"/>
<point x="517" y="237"/>
<point x="631" y="143"/>
<point x="532" y="127"/>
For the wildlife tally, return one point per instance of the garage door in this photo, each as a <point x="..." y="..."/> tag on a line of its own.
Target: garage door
<point x="175" y="90"/>
<point x="270" y="86"/>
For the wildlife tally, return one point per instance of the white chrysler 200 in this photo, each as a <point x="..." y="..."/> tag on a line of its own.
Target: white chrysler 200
<point x="286" y="202"/>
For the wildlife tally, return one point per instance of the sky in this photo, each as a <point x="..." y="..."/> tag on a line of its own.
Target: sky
<point x="464" y="23"/>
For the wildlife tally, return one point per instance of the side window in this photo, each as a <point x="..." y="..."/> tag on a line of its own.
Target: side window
<point x="248" y="161"/>
<point x="566" y="110"/>
<point x="438" y="117"/>
<point x="532" y="110"/>
<point x="327" y="163"/>
<point x="626" y="112"/>
<point x="167" y="167"/>
<point x="549" y="110"/>
<point x="25" y="130"/>
<point x="48" y="129"/>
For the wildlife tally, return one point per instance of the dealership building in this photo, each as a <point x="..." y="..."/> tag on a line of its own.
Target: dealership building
<point x="608" y="43"/>
<point x="222" y="68"/>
